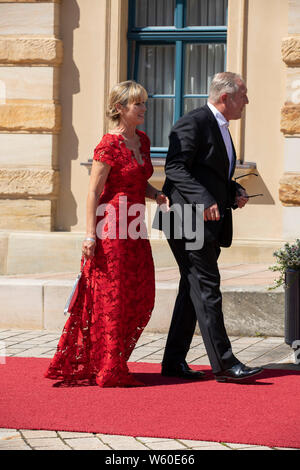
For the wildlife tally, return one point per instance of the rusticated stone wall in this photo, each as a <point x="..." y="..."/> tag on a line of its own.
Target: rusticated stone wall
<point x="30" y="114"/>
<point x="33" y="51"/>
<point x="289" y="189"/>
<point x="291" y="51"/>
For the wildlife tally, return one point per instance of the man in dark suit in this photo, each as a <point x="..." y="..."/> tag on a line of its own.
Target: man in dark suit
<point x="199" y="169"/>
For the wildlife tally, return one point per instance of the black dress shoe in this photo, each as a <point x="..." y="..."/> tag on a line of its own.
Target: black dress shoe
<point x="237" y="372"/>
<point x="183" y="371"/>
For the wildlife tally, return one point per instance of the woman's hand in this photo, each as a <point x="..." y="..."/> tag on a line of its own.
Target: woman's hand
<point x="163" y="200"/>
<point x="88" y="248"/>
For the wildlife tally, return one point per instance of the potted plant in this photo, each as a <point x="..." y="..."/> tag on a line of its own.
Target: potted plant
<point x="288" y="264"/>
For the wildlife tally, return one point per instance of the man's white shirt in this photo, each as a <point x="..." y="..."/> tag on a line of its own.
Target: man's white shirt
<point x="223" y="126"/>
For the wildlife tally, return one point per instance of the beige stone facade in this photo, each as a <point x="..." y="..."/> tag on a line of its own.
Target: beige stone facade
<point x="291" y="51"/>
<point x="30" y="115"/>
<point x="289" y="189"/>
<point x="58" y="61"/>
<point x="33" y="51"/>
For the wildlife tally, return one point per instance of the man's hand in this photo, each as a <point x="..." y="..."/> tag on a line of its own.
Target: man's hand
<point x="241" y="198"/>
<point x="211" y="213"/>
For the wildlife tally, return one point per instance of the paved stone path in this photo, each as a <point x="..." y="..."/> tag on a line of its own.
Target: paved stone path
<point x="269" y="352"/>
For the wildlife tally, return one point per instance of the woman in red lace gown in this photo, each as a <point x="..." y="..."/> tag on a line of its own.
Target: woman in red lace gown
<point x="116" y="289"/>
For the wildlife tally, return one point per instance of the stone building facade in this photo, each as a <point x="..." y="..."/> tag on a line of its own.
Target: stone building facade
<point x="58" y="61"/>
<point x="289" y="189"/>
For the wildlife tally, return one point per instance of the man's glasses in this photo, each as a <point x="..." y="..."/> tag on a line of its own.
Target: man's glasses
<point x="243" y="176"/>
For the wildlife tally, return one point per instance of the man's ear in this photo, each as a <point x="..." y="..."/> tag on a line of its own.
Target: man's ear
<point x="223" y="98"/>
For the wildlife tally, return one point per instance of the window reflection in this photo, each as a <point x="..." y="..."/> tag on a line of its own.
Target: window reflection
<point x="206" y="12"/>
<point x="154" y="13"/>
<point x="202" y="62"/>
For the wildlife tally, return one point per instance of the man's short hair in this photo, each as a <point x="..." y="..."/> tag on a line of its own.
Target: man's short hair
<point x="224" y="82"/>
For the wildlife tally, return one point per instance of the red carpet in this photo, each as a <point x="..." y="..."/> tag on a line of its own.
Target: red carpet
<point x="264" y="412"/>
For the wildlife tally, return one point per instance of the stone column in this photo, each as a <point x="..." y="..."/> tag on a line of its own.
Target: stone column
<point x="289" y="190"/>
<point x="30" y="115"/>
<point x="236" y="60"/>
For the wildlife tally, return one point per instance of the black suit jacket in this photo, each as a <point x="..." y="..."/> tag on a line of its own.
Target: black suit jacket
<point x="197" y="171"/>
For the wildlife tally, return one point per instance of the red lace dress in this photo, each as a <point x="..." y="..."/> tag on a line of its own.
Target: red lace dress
<point x="116" y="289"/>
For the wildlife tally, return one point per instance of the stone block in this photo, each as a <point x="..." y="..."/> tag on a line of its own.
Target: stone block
<point x="39" y="252"/>
<point x="28" y="150"/>
<point x="87" y="443"/>
<point x="36" y="434"/>
<point x="294" y="17"/>
<point x="18" y="308"/>
<point x="290" y="50"/>
<point x="28" y="182"/>
<point x="290" y="119"/>
<point x="31" y="50"/>
<point x="34" y="18"/>
<point x="241" y="251"/>
<point x="291" y="154"/>
<point x="22" y="214"/>
<point x="165" y="297"/>
<point x="247" y="311"/>
<point x="250" y="251"/>
<point x="250" y="311"/>
<point x="46" y="443"/>
<point x="55" y="298"/>
<point x="290" y="222"/>
<point x="293" y="85"/>
<point x="30" y="83"/>
<point x="162" y="255"/>
<point x="3" y="252"/>
<point x="289" y="189"/>
<point x="32" y="117"/>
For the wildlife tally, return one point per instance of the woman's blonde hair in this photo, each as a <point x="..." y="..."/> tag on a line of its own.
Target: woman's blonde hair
<point x="124" y="93"/>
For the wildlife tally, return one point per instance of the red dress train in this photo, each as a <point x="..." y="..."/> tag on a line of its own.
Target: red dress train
<point x="116" y="289"/>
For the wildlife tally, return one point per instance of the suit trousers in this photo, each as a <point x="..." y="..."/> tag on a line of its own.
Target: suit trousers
<point x="199" y="298"/>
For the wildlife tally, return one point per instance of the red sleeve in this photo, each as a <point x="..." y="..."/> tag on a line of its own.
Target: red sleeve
<point x="104" y="152"/>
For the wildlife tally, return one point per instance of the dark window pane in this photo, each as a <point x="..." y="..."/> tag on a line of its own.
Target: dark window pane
<point x="202" y="62"/>
<point x="154" y="13"/>
<point x="206" y="12"/>
<point x="159" y="120"/>
<point x="156" y="70"/>
<point x="193" y="103"/>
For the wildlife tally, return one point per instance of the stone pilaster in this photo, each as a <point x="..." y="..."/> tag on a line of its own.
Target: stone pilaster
<point x="115" y="47"/>
<point x="30" y="114"/>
